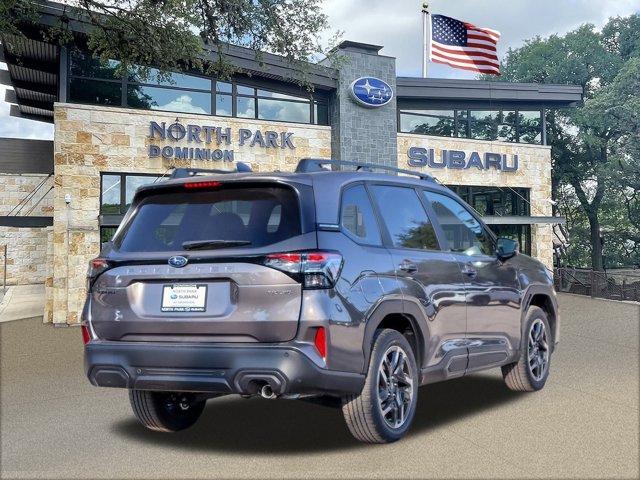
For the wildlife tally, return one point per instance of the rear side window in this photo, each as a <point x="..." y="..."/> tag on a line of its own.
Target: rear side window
<point x="464" y="233"/>
<point x="261" y="216"/>
<point x="405" y="217"/>
<point x="357" y="216"/>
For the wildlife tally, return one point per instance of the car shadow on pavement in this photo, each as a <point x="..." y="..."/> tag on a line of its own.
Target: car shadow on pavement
<point x="258" y="426"/>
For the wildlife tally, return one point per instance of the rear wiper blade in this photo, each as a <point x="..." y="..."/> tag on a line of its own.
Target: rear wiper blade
<point x="196" y="244"/>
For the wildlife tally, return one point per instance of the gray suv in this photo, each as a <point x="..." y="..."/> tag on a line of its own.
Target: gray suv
<point x="347" y="288"/>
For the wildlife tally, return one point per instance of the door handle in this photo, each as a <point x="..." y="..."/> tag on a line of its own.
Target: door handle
<point x="408" y="266"/>
<point x="468" y="270"/>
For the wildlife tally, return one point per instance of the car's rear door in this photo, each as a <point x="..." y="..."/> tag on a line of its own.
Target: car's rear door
<point x="430" y="278"/>
<point x="225" y="291"/>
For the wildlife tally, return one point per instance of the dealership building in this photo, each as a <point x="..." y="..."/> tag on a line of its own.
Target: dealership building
<point x="112" y="133"/>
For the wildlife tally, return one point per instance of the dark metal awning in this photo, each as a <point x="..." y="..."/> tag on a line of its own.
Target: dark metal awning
<point x="33" y="73"/>
<point x="413" y="92"/>
<point x="523" y="220"/>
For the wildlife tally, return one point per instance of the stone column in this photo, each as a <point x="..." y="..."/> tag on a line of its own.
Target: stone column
<point x="359" y="133"/>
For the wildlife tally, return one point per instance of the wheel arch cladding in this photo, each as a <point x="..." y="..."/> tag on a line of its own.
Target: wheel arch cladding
<point x="544" y="302"/>
<point x="390" y="315"/>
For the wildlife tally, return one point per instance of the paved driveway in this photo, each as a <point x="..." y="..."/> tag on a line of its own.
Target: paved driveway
<point x="584" y="424"/>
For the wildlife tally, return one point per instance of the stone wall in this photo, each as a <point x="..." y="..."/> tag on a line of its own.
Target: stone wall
<point x="534" y="173"/>
<point x="26" y="247"/>
<point x="89" y="140"/>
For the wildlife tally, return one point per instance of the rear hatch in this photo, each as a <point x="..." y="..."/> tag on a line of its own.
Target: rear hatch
<point x="190" y="263"/>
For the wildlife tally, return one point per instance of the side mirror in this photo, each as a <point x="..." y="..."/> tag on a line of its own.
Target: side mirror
<point x="506" y="248"/>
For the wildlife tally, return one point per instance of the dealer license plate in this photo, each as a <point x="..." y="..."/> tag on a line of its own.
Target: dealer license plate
<point x="184" y="298"/>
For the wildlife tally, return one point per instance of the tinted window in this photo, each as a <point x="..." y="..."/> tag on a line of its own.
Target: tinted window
<point x="405" y="218"/>
<point x="283" y="110"/>
<point x="110" y="200"/>
<point x="95" y="92"/>
<point x="156" y="98"/>
<point x="464" y="233"/>
<point x="357" y="216"/>
<point x="428" y="122"/>
<point x="164" y="222"/>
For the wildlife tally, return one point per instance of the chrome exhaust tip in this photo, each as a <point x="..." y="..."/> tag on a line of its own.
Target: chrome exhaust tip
<point x="267" y="392"/>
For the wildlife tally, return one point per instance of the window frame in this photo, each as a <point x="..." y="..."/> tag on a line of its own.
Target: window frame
<point x="123" y="190"/>
<point x="471" y="211"/>
<point x="462" y="129"/>
<point x="376" y="217"/>
<point x="125" y="82"/>
<point x="387" y="240"/>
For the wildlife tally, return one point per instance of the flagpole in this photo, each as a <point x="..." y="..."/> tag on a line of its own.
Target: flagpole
<point x="426" y="37"/>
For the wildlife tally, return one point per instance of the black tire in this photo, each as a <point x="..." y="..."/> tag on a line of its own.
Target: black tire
<point x="165" y="411"/>
<point x="363" y="412"/>
<point x="519" y="375"/>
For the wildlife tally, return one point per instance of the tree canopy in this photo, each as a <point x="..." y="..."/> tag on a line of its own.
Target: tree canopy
<point x="595" y="147"/>
<point x="173" y="34"/>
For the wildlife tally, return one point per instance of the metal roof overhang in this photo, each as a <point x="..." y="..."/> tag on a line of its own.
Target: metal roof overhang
<point x="523" y="220"/>
<point x="451" y="93"/>
<point x="21" y="155"/>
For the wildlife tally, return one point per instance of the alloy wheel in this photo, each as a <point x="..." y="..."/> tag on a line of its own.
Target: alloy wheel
<point x="538" y="350"/>
<point x="395" y="387"/>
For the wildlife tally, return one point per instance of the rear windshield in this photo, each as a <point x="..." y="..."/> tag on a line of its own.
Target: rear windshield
<point x="254" y="216"/>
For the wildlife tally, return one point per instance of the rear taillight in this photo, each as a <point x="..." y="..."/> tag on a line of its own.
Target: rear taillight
<point x="86" y="336"/>
<point x="320" y="342"/>
<point x="316" y="269"/>
<point x="96" y="267"/>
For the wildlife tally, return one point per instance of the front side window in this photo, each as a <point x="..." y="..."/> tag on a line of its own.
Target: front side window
<point x="463" y="232"/>
<point x="405" y="218"/>
<point x="357" y="216"/>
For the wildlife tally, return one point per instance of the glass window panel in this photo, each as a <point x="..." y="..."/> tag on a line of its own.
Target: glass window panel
<point x="464" y="233"/>
<point x="283" y="111"/>
<point x="107" y="233"/>
<point x="85" y="65"/>
<point x="242" y="90"/>
<point x="530" y="127"/>
<point x="506" y="121"/>
<point x="405" y="218"/>
<point x="95" y="92"/>
<point x="428" y="122"/>
<point x="321" y="113"/>
<point x="267" y="93"/>
<point x="223" y="87"/>
<point x="152" y="75"/>
<point x="463" y="123"/>
<point x="110" y="198"/>
<point x="358" y="217"/>
<point x="484" y="125"/>
<point x="245" y="107"/>
<point x="131" y="184"/>
<point x="156" y="98"/>
<point x="223" y="105"/>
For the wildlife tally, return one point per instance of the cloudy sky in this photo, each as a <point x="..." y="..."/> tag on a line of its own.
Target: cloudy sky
<point x="396" y="24"/>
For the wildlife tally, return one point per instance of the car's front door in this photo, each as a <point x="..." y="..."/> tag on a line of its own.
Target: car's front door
<point x="492" y="287"/>
<point x="431" y="280"/>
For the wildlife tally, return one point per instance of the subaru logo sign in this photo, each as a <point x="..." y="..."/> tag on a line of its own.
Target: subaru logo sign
<point x="371" y="92"/>
<point x="178" y="261"/>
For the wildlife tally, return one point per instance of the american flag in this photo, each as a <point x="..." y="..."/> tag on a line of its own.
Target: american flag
<point x="463" y="45"/>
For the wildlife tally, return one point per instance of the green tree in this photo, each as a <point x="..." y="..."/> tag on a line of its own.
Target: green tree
<point x="595" y="146"/>
<point x="172" y="35"/>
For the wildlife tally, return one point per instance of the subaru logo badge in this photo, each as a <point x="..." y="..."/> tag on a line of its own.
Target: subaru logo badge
<point x="371" y="92"/>
<point x="178" y="261"/>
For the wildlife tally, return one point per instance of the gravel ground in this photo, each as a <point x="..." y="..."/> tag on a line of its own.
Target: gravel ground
<point x="584" y="424"/>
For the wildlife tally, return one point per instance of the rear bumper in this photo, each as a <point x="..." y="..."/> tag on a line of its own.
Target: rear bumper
<point x="212" y="368"/>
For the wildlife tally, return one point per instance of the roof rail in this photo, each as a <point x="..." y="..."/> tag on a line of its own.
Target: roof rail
<point x="192" y="172"/>
<point x="307" y="165"/>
